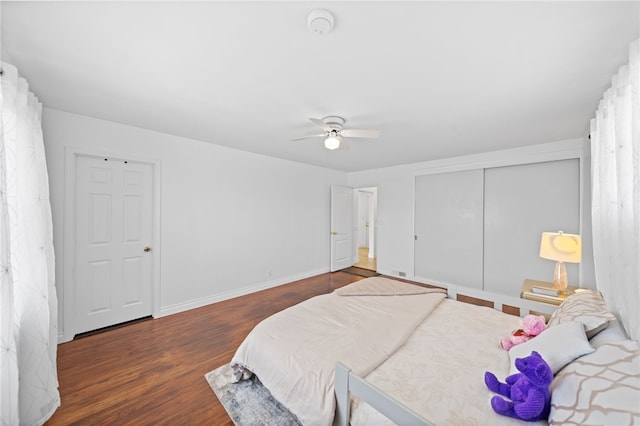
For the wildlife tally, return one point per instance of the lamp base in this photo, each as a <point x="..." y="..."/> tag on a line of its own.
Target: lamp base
<point x="560" y="278"/>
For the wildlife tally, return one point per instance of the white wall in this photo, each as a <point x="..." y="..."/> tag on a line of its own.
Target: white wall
<point x="234" y="222"/>
<point x="231" y="222"/>
<point x="396" y="199"/>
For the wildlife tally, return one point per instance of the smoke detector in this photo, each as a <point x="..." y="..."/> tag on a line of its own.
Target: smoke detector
<point x="320" y="21"/>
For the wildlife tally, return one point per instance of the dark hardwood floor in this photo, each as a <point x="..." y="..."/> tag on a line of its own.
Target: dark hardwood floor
<point x="152" y="372"/>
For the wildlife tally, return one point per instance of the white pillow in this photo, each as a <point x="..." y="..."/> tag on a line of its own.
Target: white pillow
<point x="602" y="388"/>
<point x="557" y="345"/>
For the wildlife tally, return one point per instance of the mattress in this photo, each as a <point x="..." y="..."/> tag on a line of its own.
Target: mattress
<point x="439" y="371"/>
<point x="294" y="352"/>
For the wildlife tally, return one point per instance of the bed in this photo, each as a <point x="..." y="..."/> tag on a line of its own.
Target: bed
<point x="407" y="351"/>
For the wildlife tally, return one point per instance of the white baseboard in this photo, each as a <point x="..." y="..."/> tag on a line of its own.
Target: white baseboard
<point x="198" y="303"/>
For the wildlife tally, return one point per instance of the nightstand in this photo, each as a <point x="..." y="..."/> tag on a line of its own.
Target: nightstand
<point x="529" y="294"/>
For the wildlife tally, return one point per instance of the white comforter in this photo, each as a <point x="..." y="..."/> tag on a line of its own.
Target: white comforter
<point x="294" y="352"/>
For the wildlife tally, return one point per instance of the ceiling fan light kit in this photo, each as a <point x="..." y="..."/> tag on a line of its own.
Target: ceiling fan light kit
<point x="334" y="132"/>
<point x="332" y="142"/>
<point x="320" y="21"/>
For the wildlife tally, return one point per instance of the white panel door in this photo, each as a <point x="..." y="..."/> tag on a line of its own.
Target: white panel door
<point x="114" y="222"/>
<point x="341" y="216"/>
<point x="448" y="228"/>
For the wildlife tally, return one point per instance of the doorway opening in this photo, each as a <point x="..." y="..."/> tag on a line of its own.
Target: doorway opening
<point x="365" y="216"/>
<point x="364" y="261"/>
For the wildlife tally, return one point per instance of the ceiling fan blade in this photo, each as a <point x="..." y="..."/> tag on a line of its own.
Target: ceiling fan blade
<point x="360" y="133"/>
<point x="320" y="123"/>
<point x="343" y="145"/>
<point x="321" y="135"/>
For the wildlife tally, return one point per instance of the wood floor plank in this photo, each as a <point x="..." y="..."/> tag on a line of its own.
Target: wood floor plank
<point x="152" y="372"/>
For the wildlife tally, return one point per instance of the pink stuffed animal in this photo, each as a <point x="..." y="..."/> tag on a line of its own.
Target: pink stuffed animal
<point x="532" y="325"/>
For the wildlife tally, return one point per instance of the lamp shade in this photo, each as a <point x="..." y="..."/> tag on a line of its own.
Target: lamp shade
<point x="561" y="247"/>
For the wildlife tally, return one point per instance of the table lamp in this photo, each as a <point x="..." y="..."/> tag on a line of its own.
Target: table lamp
<point x="562" y="248"/>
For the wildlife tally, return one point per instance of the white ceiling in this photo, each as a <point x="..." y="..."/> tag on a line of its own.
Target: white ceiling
<point x="438" y="79"/>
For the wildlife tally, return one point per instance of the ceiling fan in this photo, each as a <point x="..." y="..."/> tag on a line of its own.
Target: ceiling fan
<point x="334" y="133"/>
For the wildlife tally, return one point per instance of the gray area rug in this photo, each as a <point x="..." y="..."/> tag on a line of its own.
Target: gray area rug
<point x="248" y="402"/>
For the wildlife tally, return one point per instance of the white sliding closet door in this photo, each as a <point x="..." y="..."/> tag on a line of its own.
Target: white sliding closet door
<point x="448" y="227"/>
<point x="520" y="203"/>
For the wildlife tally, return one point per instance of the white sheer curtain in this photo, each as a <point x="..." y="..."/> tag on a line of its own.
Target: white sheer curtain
<point x="28" y="305"/>
<point x="615" y="136"/>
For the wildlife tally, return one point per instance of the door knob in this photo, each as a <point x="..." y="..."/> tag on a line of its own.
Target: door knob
<point x="334" y="233"/>
<point x="146" y="248"/>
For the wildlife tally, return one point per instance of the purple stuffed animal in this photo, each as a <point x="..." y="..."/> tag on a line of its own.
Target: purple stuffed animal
<point x="528" y="390"/>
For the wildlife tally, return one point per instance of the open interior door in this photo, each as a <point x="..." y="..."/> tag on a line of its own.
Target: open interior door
<point x="341" y="216"/>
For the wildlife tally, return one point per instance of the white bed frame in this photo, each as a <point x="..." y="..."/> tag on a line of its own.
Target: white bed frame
<point x="348" y="383"/>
